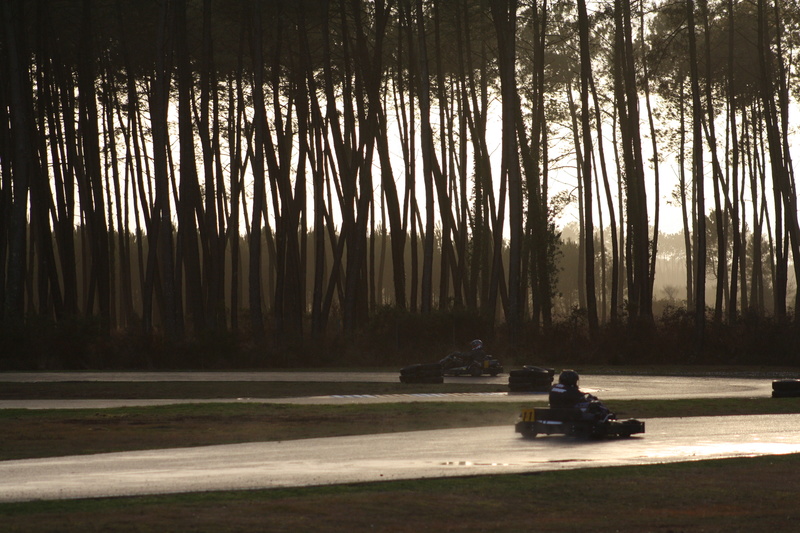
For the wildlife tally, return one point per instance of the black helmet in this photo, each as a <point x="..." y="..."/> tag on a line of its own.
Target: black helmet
<point x="476" y="344"/>
<point x="568" y="377"/>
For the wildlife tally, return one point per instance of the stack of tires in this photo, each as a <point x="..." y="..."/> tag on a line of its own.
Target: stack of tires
<point x="530" y="379"/>
<point x="425" y="373"/>
<point x="786" y="388"/>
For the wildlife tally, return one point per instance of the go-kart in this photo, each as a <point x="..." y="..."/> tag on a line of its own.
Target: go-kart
<point x="574" y="422"/>
<point x="463" y="364"/>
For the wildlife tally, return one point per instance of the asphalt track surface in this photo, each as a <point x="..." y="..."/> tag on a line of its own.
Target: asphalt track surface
<point x="419" y="454"/>
<point x="607" y="387"/>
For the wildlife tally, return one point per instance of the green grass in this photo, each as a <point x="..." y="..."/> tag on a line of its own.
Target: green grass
<point x="30" y="433"/>
<point x="755" y="495"/>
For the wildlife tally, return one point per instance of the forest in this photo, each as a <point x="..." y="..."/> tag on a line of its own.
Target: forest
<point x="246" y="183"/>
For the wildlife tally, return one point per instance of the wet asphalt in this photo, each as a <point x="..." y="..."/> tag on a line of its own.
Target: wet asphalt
<point x="418" y="454"/>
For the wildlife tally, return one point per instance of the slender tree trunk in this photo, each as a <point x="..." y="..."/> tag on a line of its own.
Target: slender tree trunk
<point x="189" y="206"/>
<point x="22" y="163"/>
<point x="586" y="131"/>
<point x="640" y="290"/>
<point x="93" y="201"/>
<point x="504" y="15"/>
<point x="259" y="176"/>
<point x="683" y="199"/>
<point x="697" y="158"/>
<point x="737" y="255"/>
<point x="614" y="303"/>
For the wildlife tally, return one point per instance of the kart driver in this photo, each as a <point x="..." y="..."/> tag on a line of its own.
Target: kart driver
<point x="476" y="353"/>
<point x="566" y="394"/>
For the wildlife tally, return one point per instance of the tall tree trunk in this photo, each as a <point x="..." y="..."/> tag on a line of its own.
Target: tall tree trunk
<point x="189" y="207"/>
<point x="92" y="199"/>
<point x="776" y="158"/>
<point x="504" y="14"/>
<point x="213" y="247"/>
<point x="683" y="199"/>
<point x="22" y="163"/>
<point x="586" y="131"/>
<point x="614" y="303"/>
<point x="640" y="291"/>
<point x="719" y="208"/>
<point x="697" y="158"/>
<point x="427" y="148"/>
<point x="787" y="182"/>
<point x="737" y="255"/>
<point x="259" y="175"/>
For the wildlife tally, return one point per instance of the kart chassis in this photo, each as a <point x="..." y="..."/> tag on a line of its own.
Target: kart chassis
<point x="574" y="422"/>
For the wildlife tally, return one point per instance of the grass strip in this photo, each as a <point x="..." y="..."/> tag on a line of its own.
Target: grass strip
<point x="753" y="494"/>
<point x="48" y="433"/>
<point x="123" y="390"/>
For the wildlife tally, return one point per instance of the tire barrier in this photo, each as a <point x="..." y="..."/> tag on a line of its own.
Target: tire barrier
<point x="530" y="379"/>
<point x="786" y="388"/>
<point x="422" y="373"/>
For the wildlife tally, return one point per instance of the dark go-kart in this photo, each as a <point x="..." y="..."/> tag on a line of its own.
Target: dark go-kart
<point x="463" y="364"/>
<point x="574" y="422"/>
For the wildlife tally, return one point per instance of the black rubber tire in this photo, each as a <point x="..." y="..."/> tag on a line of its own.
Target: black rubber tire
<point x="530" y="379"/>
<point x="431" y="369"/>
<point x="786" y="385"/>
<point x="785" y="394"/>
<point x="411" y="370"/>
<point x="528" y="387"/>
<point x="526" y="372"/>
<point x="475" y="371"/>
<point x="551" y="371"/>
<point x="422" y="379"/>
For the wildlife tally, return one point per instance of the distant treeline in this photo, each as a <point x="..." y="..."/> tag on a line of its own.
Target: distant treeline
<point x="283" y="171"/>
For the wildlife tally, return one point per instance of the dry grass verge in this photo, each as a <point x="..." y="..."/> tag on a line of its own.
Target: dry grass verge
<point x="710" y="496"/>
<point x="111" y="390"/>
<point x="46" y="433"/>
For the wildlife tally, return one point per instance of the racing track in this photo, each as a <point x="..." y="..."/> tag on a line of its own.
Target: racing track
<point x="421" y="454"/>
<point x="607" y="387"/>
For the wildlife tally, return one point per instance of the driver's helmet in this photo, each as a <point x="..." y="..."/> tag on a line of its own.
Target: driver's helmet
<point x="477" y="344"/>
<point x="568" y="377"/>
